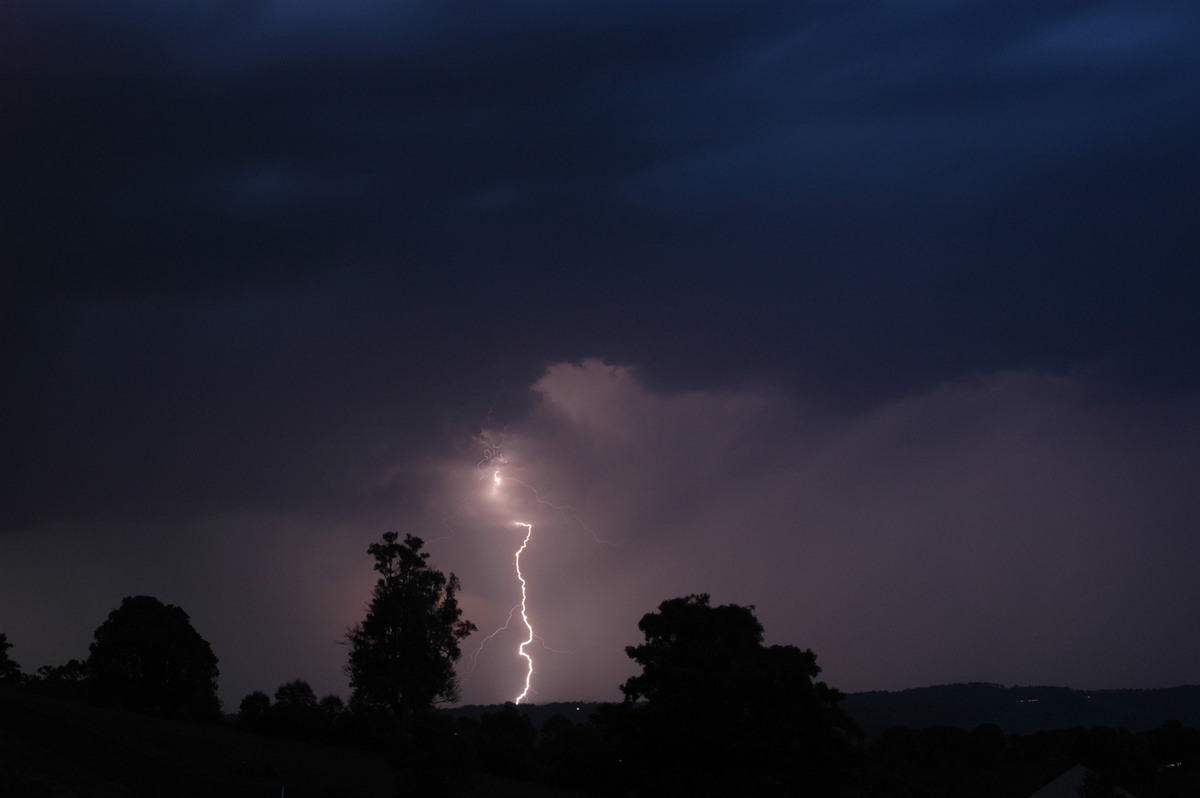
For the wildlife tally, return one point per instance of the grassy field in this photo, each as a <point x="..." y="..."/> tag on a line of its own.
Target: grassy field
<point x="59" y="748"/>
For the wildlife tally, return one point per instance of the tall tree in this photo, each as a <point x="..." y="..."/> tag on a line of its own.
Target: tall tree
<point x="148" y="658"/>
<point x="402" y="655"/>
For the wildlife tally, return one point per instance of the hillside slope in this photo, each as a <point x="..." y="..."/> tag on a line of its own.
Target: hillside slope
<point x="91" y="751"/>
<point x="54" y="747"/>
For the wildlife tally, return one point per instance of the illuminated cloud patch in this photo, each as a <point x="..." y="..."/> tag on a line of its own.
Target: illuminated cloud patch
<point x="1005" y="527"/>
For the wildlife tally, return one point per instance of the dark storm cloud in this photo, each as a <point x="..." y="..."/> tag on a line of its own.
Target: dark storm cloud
<point x="314" y="144"/>
<point x="265" y="262"/>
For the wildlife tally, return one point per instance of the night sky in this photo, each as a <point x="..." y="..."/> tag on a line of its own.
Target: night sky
<point x="883" y="317"/>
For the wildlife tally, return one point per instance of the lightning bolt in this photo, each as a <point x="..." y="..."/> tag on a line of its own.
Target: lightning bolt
<point x="524" y="616"/>
<point x="523" y="606"/>
<point x="493" y="456"/>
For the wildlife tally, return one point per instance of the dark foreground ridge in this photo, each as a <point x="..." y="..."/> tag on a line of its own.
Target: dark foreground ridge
<point x="49" y="746"/>
<point x="1017" y="710"/>
<point x="77" y="749"/>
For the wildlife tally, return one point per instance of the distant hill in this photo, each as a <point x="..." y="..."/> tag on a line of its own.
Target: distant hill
<point x="1021" y="710"/>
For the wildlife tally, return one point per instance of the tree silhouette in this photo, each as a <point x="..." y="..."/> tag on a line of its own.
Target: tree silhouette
<point x="332" y="708"/>
<point x="296" y="713"/>
<point x="10" y="671"/>
<point x="724" y="714"/>
<point x="148" y="658"/>
<point x="402" y="655"/>
<point x="296" y="694"/>
<point x="254" y="713"/>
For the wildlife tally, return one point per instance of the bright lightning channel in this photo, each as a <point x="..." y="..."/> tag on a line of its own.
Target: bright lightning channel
<point x="521" y="652"/>
<point x="494" y="455"/>
<point x="524" y="616"/>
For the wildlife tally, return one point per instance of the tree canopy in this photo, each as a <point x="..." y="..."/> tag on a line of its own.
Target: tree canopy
<point x="402" y="655"/>
<point x="147" y="657"/>
<point x="721" y="711"/>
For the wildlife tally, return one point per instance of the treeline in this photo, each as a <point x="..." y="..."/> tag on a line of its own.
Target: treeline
<point x="554" y="746"/>
<point x="145" y="657"/>
<point x="713" y="711"/>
